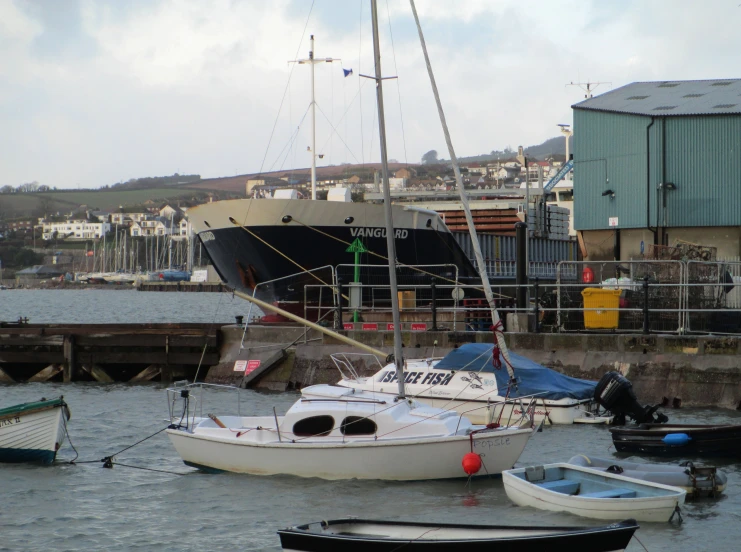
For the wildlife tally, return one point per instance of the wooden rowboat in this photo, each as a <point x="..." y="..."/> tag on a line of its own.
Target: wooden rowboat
<point x="387" y="536"/>
<point x="32" y="432"/>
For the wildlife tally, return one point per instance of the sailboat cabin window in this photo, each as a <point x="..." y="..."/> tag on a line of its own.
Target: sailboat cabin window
<point x="314" y="426"/>
<point x="357" y="425"/>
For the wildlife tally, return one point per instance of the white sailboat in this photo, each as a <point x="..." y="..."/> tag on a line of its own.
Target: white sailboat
<point x="466" y="381"/>
<point x="340" y="433"/>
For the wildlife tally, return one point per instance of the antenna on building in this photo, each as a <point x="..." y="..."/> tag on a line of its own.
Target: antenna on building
<point x="587" y="87"/>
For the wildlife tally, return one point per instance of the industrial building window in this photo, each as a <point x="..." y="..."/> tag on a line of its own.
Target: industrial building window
<point x="724" y="106"/>
<point x="637" y="97"/>
<point x="668" y="85"/>
<point x="664" y="107"/>
<point x="356" y="425"/>
<point x="724" y="83"/>
<point x="314" y="426"/>
<point x="693" y="95"/>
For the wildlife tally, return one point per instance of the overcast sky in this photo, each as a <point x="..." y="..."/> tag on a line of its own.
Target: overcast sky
<point x="93" y="92"/>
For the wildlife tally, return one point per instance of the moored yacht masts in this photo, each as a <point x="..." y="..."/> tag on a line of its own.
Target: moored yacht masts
<point x="467" y="210"/>
<point x="390" y="241"/>
<point x="311" y="60"/>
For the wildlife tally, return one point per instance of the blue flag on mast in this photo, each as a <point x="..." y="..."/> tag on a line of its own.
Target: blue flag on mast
<point x="347" y="72"/>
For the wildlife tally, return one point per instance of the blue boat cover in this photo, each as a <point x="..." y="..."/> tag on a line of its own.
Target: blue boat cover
<point x="531" y="377"/>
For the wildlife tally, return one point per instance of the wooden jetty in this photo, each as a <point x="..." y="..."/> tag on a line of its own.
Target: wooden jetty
<point x="106" y="352"/>
<point x="215" y="287"/>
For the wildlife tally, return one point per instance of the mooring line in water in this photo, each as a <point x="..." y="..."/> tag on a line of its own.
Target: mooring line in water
<point x="108" y="460"/>
<point x="112" y="463"/>
<point x="66" y="432"/>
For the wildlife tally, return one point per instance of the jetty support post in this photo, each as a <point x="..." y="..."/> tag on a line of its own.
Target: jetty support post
<point x="70" y="370"/>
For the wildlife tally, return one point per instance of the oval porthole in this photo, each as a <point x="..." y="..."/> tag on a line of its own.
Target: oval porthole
<point x="357" y="425"/>
<point x="349" y="220"/>
<point x="286" y="219"/>
<point x="429" y="223"/>
<point x="314" y="426"/>
<point x="206" y="223"/>
<point x="231" y="219"/>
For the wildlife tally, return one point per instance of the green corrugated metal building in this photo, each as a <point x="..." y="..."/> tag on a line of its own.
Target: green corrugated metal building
<point x="659" y="161"/>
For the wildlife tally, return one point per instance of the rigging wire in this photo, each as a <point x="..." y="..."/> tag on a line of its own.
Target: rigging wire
<point x="360" y="87"/>
<point x="398" y="86"/>
<point x="285" y="91"/>
<point x="347" y="109"/>
<point x="334" y="131"/>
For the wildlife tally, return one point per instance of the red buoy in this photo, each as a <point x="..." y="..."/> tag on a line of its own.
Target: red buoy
<point x="471" y="463"/>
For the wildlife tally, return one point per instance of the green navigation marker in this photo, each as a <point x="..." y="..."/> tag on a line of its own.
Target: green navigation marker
<point x="356" y="247"/>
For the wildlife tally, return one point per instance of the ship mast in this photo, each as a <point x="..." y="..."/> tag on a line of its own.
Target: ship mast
<point x="311" y="60"/>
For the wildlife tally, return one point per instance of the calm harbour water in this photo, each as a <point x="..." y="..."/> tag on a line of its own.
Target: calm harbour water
<point x="87" y="507"/>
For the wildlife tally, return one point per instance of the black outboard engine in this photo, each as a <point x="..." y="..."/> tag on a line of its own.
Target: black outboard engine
<point x="614" y="392"/>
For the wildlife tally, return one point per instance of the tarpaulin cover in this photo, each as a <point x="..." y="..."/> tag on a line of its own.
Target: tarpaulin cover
<point x="531" y="377"/>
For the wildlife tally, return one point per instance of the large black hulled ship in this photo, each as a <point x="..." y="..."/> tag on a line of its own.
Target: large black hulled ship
<point x="260" y="244"/>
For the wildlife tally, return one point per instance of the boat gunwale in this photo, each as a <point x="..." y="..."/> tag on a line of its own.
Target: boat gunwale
<point x="38" y="406"/>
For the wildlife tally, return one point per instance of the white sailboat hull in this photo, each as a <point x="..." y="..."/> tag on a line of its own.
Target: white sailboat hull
<point x="31" y="437"/>
<point x="397" y="460"/>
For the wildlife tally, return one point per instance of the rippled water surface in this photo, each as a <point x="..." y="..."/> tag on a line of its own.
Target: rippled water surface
<point x="87" y="507"/>
<point x="120" y="306"/>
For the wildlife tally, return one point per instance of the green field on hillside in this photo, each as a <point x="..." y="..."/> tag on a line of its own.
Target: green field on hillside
<point x="26" y="204"/>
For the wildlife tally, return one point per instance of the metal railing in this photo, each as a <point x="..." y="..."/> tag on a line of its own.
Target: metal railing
<point x="651" y="296"/>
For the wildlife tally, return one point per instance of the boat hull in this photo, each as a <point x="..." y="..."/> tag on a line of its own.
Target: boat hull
<point x="388" y="536"/>
<point x="397" y="460"/>
<point x="32" y="434"/>
<point x="705" y="440"/>
<point x="657" y="508"/>
<point x="249" y="243"/>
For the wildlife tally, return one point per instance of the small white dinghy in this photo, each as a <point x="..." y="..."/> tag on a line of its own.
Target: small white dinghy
<point x="695" y="480"/>
<point x="591" y="493"/>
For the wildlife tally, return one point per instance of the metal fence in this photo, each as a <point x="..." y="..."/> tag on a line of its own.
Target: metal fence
<point x="651" y="296"/>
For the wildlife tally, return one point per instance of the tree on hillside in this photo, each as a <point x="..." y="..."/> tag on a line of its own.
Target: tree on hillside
<point x="7" y="189"/>
<point x="28" y="187"/>
<point x="429" y="158"/>
<point x="27" y="257"/>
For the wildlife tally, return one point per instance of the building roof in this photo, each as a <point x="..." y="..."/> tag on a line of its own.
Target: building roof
<point x="670" y="98"/>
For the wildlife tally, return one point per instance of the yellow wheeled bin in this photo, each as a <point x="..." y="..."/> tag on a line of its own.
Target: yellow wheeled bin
<point x="595" y="301"/>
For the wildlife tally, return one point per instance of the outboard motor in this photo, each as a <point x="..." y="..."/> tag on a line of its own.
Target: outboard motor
<point x="614" y="392"/>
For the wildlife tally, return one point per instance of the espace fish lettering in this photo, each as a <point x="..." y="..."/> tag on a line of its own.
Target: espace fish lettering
<point x="399" y="233"/>
<point x="430" y="378"/>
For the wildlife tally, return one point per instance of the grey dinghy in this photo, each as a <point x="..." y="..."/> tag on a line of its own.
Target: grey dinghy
<point x="695" y="480"/>
<point x="386" y="536"/>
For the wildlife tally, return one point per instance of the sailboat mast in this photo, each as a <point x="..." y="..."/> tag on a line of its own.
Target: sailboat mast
<point x="390" y="242"/>
<point x="313" y="124"/>
<point x="464" y="200"/>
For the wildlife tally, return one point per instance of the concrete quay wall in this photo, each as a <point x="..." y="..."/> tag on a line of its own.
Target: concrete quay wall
<point x="698" y="370"/>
